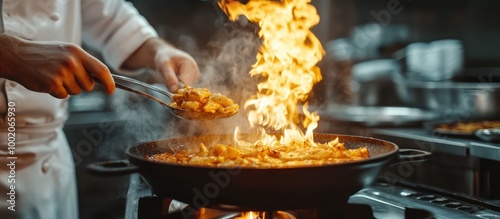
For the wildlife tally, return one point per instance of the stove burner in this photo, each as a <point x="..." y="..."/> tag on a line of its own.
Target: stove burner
<point x="153" y="207"/>
<point x="261" y="215"/>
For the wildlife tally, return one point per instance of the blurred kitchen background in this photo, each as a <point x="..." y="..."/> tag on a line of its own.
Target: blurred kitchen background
<point x="436" y="56"/>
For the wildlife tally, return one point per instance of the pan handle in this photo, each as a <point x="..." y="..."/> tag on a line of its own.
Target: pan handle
<point x="411" y="155"/>
<point x="112" y="168"/>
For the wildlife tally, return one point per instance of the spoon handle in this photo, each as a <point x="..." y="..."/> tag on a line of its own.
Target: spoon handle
<point x="119" y="78"/>
<point x="118" y="84"/>
<point x="127" y="88"/>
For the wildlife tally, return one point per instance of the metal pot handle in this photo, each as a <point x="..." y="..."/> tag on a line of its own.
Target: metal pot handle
<point x="411" y="155"/>
<point x="112" y="168"/>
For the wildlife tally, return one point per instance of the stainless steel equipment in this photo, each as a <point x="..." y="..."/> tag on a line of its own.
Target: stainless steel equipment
<point x="371" y="82"/>
<point x="492" y="134"/>
<point x="376" y="116"/>
<point x="479" y="99"/>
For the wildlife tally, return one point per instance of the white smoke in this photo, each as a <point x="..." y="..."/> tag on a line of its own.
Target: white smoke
<point x="224" y="66"/>
<point x="225" y="69"/>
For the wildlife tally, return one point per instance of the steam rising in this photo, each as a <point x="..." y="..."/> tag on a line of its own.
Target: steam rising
<point x="141" y="122"/>
<point x="224" y="68"/>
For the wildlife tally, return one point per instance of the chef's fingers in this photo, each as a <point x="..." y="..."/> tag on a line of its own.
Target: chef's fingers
<point x="168" y="72"/>
<point x="100" y="71"/>
<point x="58" y="90"/>
<point x="79" y="74"/>
<point x="188" y="72"/>
<point x="69" y="83"/>
<point x="85" y="81"/>
<point x="83" y="78"/>
<point x="61" y="94"/>
<point x="72" y="87"/>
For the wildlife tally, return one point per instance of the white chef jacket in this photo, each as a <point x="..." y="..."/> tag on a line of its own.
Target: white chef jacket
<point x="45" y="185"/>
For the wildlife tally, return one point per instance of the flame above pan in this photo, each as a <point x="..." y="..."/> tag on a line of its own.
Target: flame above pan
<point x="287" y="63"/>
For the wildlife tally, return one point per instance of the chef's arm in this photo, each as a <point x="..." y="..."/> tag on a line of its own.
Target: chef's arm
<point x="128" y="42"/>
<point x="175" y="65"/>
<point x="57" y="68"/>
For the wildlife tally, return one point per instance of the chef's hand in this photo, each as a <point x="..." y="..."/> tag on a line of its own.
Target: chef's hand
<point x="57" y="68"/>
<point x="175" y="65"/>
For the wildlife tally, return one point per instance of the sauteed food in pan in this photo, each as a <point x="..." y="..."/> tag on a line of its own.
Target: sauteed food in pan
<point x="201" y="100"/>
<point x="467" y="127"/>
<point x="261" y="156"/>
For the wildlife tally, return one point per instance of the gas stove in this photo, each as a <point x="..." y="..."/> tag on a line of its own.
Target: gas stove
<point x="381" y="200"/>
<point x="394" y="201"/>
<point x="142" y="204"/>
<point x="453" y="184"/>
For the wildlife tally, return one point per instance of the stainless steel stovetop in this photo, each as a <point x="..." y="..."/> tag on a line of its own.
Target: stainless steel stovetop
<point x="393" y="201"/>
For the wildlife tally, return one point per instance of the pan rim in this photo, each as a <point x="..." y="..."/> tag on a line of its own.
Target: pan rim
<point x="387" y="156"/>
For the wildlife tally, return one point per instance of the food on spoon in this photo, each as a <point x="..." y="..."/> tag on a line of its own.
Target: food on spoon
<point x="201" y="100"/>
<point x="262" y="156"/>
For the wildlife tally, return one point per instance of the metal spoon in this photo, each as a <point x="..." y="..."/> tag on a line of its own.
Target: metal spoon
<point x="121" y="82"/>
<point x="492" y="134"/>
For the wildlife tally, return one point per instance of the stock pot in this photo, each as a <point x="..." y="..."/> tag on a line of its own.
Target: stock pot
<point x="476" y="96"/>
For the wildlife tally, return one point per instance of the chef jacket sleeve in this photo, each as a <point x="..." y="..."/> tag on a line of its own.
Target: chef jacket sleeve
<point x="115" y="28"/>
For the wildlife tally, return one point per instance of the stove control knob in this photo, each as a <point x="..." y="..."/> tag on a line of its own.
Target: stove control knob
<point x="440" y="200"/>
<point x="467" y="208"/>
<point x="427" y="197"/>
<point x="407" y="193"/>
<point x="488" y="216"/>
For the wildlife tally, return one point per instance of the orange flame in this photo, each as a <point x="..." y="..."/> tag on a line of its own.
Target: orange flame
<point x="247" y="215"/>
<point x="252" y="215"/>
<point x="287" y="61"/>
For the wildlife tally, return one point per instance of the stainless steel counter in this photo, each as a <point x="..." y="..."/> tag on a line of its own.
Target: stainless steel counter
<point x="485" y="150"/>
<point x="422" y="139"/>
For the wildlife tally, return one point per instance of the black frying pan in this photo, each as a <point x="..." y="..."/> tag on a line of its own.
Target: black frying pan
<point x="253" y="188"/>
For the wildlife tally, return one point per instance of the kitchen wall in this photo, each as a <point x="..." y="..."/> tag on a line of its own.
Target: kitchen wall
<point x="191" y="23"/>
<point x="473" y="22"/>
